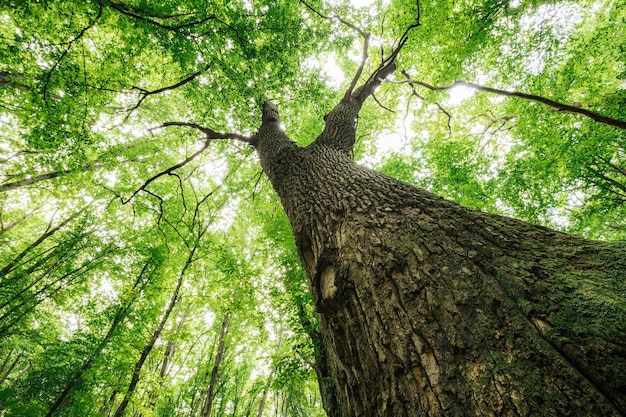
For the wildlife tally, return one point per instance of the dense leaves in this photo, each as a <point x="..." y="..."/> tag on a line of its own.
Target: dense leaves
<point x="125" y="245"/>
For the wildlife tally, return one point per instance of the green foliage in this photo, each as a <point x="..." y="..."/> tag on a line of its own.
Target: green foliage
<point x="96" y="230"/>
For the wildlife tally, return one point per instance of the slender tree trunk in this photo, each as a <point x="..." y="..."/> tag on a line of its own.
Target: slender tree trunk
<point x="219" y="357"/>
<point x="120" y="316"/>
<point x="322" y="372"/>
<point x="121" y="409"/>
<point x="6" y="371"/>
<point x="6" y="360"/>
<point x="429" y="308"/>
<point x="170" y="348"/>
<point x="21" y="373"/>
<point x="163" y="365"/>
<point x="45" y="235"/>
<point x="5" y="229"/>
<point x="270" y="377"/>
<point x="31" y="180"/>
<point x="23" y="306"/>
<point x="107" y="407"/>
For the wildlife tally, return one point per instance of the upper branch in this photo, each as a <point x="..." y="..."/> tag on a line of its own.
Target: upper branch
<point x="67" y="50"/>
<point x="544" y="100"/>
<point x="209" y="135"/>
<point x="145" y="93"/>
<point x="153" y="18"/>
<point x="340" y="129"/>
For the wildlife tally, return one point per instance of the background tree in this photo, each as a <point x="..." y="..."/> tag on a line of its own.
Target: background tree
<point x="96" y="181"/>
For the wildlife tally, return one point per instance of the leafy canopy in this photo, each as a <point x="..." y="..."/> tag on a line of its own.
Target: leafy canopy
<point x="110" y="199"/>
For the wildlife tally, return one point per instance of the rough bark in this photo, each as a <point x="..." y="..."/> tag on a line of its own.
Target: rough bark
<point x="429" y="308"/>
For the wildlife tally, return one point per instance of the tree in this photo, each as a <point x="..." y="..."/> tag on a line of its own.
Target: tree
<point x="422" y="306"/>
<point x="430" y="308"/>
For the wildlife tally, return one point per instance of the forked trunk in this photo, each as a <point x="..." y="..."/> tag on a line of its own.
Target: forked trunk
<point x="432" y="309"/>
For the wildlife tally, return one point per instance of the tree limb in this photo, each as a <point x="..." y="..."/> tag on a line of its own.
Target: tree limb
<point x="340" y="129"/>
<point x="145" y="93"/>
<point x="335" y="17"/>
<point x="361" y="32"/>
<point x="552" y="103"/>
<point x="439" y="106"/>
<point x="7" y="80"/>
<point x="149" y="17"/>
<point x="359" y="71"/>
<point x="208" y="133"/>
<point x="209" y="136"/>
<point x="31" y="180"/>
<point x="167" y="172"/>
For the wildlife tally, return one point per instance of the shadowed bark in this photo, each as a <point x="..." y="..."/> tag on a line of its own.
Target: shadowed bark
<point x="431" y="308"/>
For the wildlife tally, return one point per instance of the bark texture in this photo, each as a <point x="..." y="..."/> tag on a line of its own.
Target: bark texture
<point x="429" y="308"/>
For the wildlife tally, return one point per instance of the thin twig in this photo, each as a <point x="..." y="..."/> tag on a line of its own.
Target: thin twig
<point x="439" y="106"/>
<point x="167" y="171"/>
<point x="148" y="17"/>
<point x="382" y="105"/>
<point x="209" y="136"/>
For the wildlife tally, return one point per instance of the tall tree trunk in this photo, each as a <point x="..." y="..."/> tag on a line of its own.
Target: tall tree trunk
<point x="219" y="356"/>
<point x="170" y="348"/>
<point x="121" y="409"/>
<point x="429" y="308"/>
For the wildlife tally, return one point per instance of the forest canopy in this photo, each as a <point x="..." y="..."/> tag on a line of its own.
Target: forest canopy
<point x="146" y="265"/>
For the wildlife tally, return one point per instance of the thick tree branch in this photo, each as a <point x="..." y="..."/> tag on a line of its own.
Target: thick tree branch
<point x="359" y="71"/>
<point x="386" y="67"/>
<point x="532" y="97"/>
<point x="208" y="133"/>
<point x="340" y="129"/>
